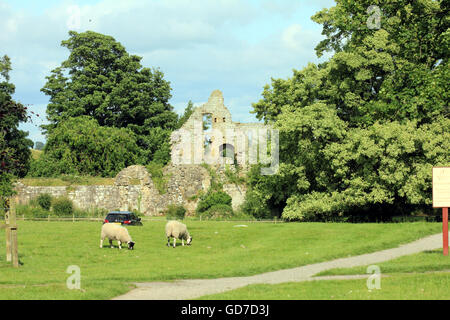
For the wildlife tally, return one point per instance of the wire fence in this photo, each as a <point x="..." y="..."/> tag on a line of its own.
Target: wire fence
<point x="74" y="218"/>
<point x="143" y="219"/>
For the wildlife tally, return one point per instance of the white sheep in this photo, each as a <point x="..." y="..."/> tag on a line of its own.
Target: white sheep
<point x="114" y="231"/>
<point x="177" y="230"/>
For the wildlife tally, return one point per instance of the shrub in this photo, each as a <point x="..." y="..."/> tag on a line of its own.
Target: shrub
<point x="255" y="206"/>
<point x="29" y="211"/>
<point x="62" y="207"/>
<point x="218" y="211"/>
<point x="211" y="199"/>
<point x="175" y="211"/>
<point x="45" y="201"/>
<point x="39" y="212"/>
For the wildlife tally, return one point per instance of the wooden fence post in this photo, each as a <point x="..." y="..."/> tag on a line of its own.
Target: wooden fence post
<point x="7" y="231"/>
<point x="11" y="233"/>
<point x="8" y="241"/>
<point x="14" y="244"/>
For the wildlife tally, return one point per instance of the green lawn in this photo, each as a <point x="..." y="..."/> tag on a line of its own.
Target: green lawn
<point x="409" y="278"/>
<point x="398" y="287"/>
<point x="420" y="262"/>
<point x="219" y="249"/>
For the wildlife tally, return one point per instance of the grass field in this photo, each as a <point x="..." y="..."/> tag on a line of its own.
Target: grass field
<point x="219" y="249"/>
<point x="421" y="276"/>
<point x="395" y="287"/>
<point x="420" y="262"/>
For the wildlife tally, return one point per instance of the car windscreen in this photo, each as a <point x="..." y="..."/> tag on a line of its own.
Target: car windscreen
<point x="117" y="217"/>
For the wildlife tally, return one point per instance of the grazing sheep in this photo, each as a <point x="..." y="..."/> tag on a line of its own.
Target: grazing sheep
<point x="177" y="230"/>
<point x="114" y="231"/>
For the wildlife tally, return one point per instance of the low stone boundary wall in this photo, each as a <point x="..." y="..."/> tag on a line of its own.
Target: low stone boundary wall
<point x="184" y="182"/>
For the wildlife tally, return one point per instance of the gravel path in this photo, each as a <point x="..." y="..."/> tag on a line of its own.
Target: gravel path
<point x="191" y="289"/>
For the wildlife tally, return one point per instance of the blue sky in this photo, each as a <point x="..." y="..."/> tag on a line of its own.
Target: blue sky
<point x="200" y="45"/>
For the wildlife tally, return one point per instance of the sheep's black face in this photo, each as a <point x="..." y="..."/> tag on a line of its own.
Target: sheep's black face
<point x="131" y="245"/>
<point x="189" y="240"/>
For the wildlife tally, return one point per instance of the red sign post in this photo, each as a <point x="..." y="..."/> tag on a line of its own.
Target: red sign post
<point x="441" y="199"/>
<point x="445" y="229"/>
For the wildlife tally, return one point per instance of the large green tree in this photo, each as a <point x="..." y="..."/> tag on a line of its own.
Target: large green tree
<point x="397" y="72"/>
<point x="14" y="144"/>
<point x="80" y="146"/>
<point x="361" y="131"/>
<point x="101" y="80"/>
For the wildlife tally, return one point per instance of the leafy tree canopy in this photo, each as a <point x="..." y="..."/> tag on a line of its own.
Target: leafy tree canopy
<point x="361" y="131"/>
<point x="101" y="80"/>
<point x="397" y="72"/>
<point x="81" y="146"/>
<point x="14" y="144"/>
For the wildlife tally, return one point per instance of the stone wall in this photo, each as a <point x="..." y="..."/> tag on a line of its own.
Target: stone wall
<point x="184" y="182"/>
<point x="240" y="140"/>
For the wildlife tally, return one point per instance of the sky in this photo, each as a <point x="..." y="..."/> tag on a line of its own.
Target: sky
<point x="235" y="46"/>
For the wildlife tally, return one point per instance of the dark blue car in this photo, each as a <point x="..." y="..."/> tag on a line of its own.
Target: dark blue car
<point x="123" y="217"/>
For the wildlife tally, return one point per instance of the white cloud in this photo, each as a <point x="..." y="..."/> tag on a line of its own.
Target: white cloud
<point x="199" y="45"/>
<point x="292" y="37"/>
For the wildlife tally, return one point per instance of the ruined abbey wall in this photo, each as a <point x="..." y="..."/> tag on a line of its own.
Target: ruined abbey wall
<point x="183" y="184"/>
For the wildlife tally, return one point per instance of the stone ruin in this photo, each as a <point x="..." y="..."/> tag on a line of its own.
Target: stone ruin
<point x="225" y="142"/>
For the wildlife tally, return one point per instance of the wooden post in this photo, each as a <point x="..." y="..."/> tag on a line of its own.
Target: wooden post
<point x="14" y="247"/>
<point x="13" y="234"/>
<point x="8" y="232"/>
<point x="14" y="244"/>
<point x="8" y="244"/>
<point x="445" y="230"/>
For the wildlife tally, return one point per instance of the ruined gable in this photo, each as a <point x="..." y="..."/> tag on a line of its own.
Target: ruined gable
<point x="226" y="142"/>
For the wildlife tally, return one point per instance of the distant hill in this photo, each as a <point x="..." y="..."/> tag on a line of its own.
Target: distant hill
<point x="35" y="154"/>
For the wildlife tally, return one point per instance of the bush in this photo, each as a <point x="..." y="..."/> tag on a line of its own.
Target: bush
<point x="45" y="201"/>
<point x="255" y="206"/>
<point x="30" y="211"/>
<point x="211" y="199"/>
<point x="39" y="212"/>
<point x="218" y="211"/>
<point x="175" y="211"/>
<point x="63" y="207"/>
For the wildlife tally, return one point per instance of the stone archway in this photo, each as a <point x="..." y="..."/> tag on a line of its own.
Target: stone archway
<point x="226" y="150"/>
